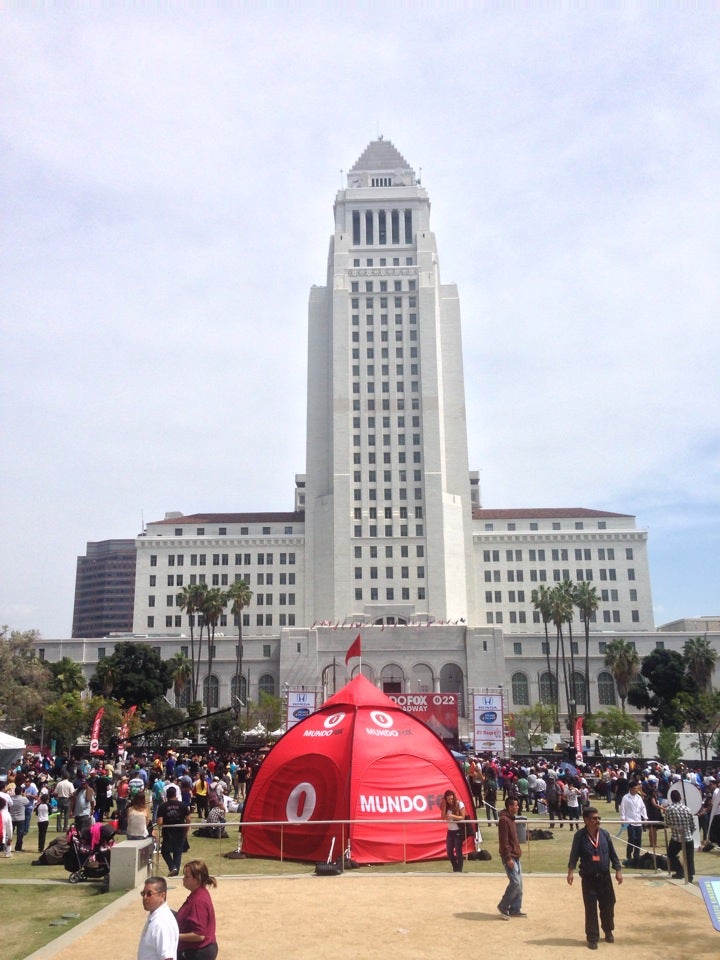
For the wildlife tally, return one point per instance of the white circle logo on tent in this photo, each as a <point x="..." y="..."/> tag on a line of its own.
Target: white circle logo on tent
<point x="382" y="720"/>
<point x="333" y="720"/>
<point x="301" y="803"/>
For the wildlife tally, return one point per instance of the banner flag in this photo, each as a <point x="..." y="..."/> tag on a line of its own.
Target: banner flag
<point x="354" y="651"/>
<point x="95" y="731"/>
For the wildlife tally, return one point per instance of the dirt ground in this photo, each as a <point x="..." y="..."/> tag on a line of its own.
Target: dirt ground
<point x="406" y="917"/>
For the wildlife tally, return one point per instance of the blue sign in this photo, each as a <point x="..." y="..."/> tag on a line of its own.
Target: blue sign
<point x="301" y="713"/>
<point x="488" y="717"/>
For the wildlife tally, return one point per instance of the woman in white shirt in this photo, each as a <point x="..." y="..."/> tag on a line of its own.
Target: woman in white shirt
<point x="453" y="811"/>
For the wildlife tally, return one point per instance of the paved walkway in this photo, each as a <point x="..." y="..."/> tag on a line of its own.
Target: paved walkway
<point x="411" y="917"/>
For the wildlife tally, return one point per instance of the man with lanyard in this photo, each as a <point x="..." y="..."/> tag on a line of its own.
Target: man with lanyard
<point x="593" y="847"/>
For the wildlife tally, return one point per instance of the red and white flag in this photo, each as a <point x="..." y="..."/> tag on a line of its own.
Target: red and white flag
<point x="95" y="731"/>
<point x="354" y="651"/>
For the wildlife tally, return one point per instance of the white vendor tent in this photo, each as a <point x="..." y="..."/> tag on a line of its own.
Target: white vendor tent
<point x="11" y="748"/>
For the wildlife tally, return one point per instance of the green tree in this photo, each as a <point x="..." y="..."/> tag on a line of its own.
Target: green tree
<point x="140" y="675"/>
<point x="531" y="724"/>
<point x="624" y="663"/>
<point x="180" y="672"/>
<point x="65" y="720"/>
<point x="618" y="732"/>
<point x="67" y="677"/>
<point x="222" y="731"/>
<point x="662" y="678"/>
<point x="213" y="604"/>
<point x="669" y="750"/>
<point x="587" y="600"/>
<point x="190" y="600"/>
<point x="701" y="712"/>
<point x="24" y="681"/>
<point x="240" y="594"/>
<point x="541" y="602"/>
<point x="559" y="611"/>
<point x="700" y="658"/>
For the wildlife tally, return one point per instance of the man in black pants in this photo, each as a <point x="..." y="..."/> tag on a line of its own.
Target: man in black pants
<point x="593" y="847"/>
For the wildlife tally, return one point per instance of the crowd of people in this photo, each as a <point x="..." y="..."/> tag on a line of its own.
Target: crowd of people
<point x="138" y="792"/>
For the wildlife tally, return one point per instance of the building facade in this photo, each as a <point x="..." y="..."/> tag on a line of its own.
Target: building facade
<point x="388" y="536"/>
<point x="105" y="589"/>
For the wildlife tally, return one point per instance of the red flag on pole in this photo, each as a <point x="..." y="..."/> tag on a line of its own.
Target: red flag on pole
<point x="95" y="731"/>
<point x="354" y="651"/>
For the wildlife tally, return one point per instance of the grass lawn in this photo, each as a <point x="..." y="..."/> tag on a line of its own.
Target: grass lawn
<point x="29" y="908"/>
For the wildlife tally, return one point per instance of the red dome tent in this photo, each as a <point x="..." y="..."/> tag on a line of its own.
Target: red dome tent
<point x="358" y="758"/>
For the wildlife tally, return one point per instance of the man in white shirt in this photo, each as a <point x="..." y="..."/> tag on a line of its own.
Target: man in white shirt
<point x="63" y="792"/>
<point x="633" y="812"/>
<point x="159" y="938"/>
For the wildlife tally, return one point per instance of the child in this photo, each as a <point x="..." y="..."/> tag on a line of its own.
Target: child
<point x="43" y="814"/>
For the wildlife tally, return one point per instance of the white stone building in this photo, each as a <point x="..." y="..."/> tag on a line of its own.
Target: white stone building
<point x="388" y="537"/>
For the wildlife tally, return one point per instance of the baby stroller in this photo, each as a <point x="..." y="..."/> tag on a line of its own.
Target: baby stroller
<point x="89" y="855"/>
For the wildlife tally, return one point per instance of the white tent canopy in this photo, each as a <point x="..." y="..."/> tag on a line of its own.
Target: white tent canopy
<point x="10" y="749"/>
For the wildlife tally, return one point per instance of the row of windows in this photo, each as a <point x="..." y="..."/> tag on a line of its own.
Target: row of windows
<point x="261" y="620"/>
<point x="367" y="218"/>
<point x="387" y="476"/>
<point x="388" y="530"/>
<point x="370" y="262"/>
<point x="558" y="575"/>
<point x="221" y="579"/>
<point x="371" y="422"/>
<point x="371" y="494"/>
<point x="260" y="599"/>
<point x="390" y="593"/>
<point x="384" y="353"/>
<point x="603" y="553"/>
<point x="222" y="531"/>
<point x="518" y="596"/>
<point x="520" y="687"/>
<point x="370" y="320"/>
<point x="369" y="287"/>
<point x="556" y="525"/>
<point x="389" y="573"/>
<point x="385" y="404"/>
<point x="608" y="616"/>
<point x="384" y="336"/>
<point x="223" y="559"/>
<point x="373" y="551"/>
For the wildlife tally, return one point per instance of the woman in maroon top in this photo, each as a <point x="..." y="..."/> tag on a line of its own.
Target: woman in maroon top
<point x="196" y="917"/>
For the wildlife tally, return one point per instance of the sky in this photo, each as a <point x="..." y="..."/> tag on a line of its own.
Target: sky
<point x="168" y="173"/>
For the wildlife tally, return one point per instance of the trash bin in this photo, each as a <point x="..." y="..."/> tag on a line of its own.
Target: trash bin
<point x="521" y="827"/>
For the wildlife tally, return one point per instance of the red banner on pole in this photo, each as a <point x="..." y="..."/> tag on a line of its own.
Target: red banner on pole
<point x="579" y="740"/>
<point x="95" y="731"/>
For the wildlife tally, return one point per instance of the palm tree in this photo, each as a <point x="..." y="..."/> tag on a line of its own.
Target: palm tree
<point x="559" y="602"/>
<point x="541" y="602"/>
<point x="189" y="599"/>
<point x="180" y="672"/>
<point x="700" y="659"/>
<point x="587" y="600"/>
<point x="67" y="677"/>
<point x="624" y="663"/>
<point x="241" y="595"/>
<point x="568" y="590"/>
<point x="213" y="604"/>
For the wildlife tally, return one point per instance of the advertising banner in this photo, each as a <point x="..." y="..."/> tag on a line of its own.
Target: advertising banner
<point x="488" y="723"/>
<point x="300" y="704"/>
<point x="438" y="710"/>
